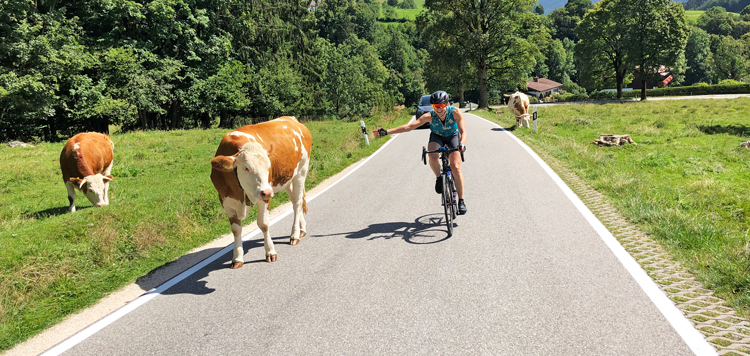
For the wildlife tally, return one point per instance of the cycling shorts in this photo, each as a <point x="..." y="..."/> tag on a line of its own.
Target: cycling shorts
<point x="451" y="141"/>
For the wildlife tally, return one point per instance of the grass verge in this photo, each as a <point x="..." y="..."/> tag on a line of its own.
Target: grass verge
<point x="685" y="183"/>
<point x="162" y="204"/>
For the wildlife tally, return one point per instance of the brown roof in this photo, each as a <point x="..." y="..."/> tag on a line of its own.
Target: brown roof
<point x="542" y="84"/>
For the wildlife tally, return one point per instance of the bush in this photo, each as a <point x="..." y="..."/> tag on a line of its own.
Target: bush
<point x="533" y="100"/>
<point x="700" y="89"/>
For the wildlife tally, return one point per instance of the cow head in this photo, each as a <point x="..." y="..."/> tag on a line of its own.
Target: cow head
<point x="253" y="169"/>
<point x="94" y="187"/>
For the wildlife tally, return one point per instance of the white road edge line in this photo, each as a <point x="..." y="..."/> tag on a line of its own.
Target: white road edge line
<point x="102" y="323"/>
<point x="692" y="337"/>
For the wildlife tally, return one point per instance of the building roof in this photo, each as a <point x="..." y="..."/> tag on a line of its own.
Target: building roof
<point x="542" y="84"/>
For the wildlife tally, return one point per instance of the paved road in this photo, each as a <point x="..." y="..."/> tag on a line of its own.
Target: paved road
<point x="525" y="273"/>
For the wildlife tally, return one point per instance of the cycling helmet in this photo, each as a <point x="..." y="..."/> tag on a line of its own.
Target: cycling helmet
<point x="439" y="97"/>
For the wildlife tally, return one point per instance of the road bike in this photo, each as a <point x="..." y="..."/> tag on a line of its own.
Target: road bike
<point x="449" y="196"/>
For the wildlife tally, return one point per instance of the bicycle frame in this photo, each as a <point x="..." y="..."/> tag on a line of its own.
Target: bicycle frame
<point x="449" y="195"/>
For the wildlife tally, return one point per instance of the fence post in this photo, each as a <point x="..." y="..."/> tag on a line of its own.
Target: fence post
<point x="364" y="132"/>
<point x="534" y="118"/>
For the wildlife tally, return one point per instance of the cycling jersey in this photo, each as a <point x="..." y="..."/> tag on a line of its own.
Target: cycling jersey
<point x="449" y="128"/>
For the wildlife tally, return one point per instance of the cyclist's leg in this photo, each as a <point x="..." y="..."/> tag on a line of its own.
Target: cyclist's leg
<point x="458" y="176"/>
<point x="435" y="143"/>
<point x="455" y="159"/>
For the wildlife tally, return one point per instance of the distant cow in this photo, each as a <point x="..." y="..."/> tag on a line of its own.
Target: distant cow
<point x="254" y="162"/>
<point x="519" y="106"/>
<point x="86" y="164"/>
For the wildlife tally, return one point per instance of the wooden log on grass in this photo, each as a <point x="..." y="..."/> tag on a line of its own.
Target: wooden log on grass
<point x="613" y="140"/>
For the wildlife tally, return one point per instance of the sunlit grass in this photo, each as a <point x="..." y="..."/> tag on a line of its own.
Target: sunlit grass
<point x="685" y="182"/>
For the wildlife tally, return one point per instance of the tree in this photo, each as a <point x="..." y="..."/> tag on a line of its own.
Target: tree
<point x="560" y="61"/>
<point x="656" y="38"/>
<point x="539" y="9"/>
<point x="716" y="21"/>
<point x="499" y="38"/>
<point x="731" y="59"/>
<point x="601" y="51"/>
<point x="564" y="20"/>
<point x="697" y="50"/>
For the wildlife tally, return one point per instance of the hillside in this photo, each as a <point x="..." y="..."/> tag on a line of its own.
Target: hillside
<point x="550" y="5"/>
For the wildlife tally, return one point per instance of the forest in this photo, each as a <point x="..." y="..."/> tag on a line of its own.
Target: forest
<point x="74" y="66"/>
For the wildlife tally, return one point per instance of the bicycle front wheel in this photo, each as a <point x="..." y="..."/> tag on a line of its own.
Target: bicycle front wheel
<point x="454" y="197"/>
<point x="448" y="204"/>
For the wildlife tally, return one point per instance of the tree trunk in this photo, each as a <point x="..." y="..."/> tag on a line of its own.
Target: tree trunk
<point x="619" y="77"/>
<point x="175" y="113"/>
<point x="461" y="90"/>
<point x="643" y="82"/>
<point x="205" y="120"/>
<point x="482" y="74"/>
<point x="144" y="120"/>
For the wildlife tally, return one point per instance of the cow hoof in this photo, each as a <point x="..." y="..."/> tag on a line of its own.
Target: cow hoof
<point x="302" y="234"/>
<point x="293" y="241"/>
<point x="271" y="258"/>
<point x="236" y="265"/>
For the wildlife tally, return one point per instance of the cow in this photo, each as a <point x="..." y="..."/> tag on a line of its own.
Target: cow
<point x="86" y="165"/>
<point x="254" y="162"/>
<point x="519" y="106"/>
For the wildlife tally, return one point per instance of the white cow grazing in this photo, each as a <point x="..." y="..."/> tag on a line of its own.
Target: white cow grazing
<point x="254" y="162"/>
<point x="519" y="106"/>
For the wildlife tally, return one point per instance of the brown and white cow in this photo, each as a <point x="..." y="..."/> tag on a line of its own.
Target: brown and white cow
<point x="519" y="106"/>
<point x="254" y="162"/>
<point x="86" y="164"/>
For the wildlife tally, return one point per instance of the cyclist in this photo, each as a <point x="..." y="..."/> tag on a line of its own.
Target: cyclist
<point x="446" y="128"/>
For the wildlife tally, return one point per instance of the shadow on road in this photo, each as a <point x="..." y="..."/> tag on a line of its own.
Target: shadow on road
<point x="194" y="284"/>
<point x="512" y="128"/>
<point x="426" y="229"/>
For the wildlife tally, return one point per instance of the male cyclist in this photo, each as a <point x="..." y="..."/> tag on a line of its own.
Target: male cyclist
<point x="446" y="128"/>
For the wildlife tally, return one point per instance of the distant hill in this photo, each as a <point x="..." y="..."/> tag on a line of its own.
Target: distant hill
<point x="550" y="5"/>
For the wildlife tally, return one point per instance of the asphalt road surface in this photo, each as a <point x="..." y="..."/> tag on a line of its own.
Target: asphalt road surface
<point x="525" y="273"/>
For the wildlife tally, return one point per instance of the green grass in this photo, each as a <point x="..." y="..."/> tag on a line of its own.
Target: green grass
<point x="692" y="15"/>
<point x="685" y="183"/>
<point x="162" y="204"/>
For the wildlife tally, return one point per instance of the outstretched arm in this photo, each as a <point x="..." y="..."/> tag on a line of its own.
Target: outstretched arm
<point x="406" y="127"/>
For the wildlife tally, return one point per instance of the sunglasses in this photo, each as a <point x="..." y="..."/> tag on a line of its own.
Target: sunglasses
<point x="439" y="106"/>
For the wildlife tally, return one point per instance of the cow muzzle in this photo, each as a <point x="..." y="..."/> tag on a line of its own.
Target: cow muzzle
<point x="266" y="195"/>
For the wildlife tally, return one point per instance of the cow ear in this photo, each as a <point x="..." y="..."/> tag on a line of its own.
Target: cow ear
<point x="108" y="178"/>
<point x="78" y="181"/>
<point x="223" y="163"/>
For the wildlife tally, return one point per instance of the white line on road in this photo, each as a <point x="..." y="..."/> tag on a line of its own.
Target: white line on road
<point x="692" y="337"/>
<point x="119" y="313"/>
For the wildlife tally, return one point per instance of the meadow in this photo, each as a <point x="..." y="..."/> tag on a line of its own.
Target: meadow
<point x="685" y="183"/>
<point x="162" y="204"/>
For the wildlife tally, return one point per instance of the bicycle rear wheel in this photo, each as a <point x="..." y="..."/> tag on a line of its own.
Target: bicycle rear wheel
<point x="448" y="204"/>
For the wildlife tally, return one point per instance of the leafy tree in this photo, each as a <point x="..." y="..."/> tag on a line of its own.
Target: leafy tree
<point x="697" y="50"/>
<point x="731" y="59"/>
<point x="564" y="20"/>
<point x="497" y="36"/>
<point x="745" y="14"/>
<point x="716" y="21"/>
<point x="656" y="37"/>
<point x="539" y="9"/>
<point x="601" y="52"/>
<point x="407" y="4"/>
<point x="560" y="61"/>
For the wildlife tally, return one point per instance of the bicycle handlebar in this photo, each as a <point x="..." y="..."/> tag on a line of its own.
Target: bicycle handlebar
<point x="443" y="149"/>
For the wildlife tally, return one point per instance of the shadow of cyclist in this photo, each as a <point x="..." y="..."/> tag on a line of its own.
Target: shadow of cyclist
<point x="426" y="229"/>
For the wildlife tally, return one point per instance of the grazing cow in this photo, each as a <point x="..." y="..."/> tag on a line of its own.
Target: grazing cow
<point x="86" y="164"/>
<point x="254" y="162"/>
<point x="519" y="106"/>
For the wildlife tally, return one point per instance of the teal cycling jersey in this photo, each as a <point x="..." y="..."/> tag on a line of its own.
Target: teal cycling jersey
<point x="439" y="128"/>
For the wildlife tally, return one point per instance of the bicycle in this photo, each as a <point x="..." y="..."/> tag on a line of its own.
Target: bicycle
<point x="449" y="196"/>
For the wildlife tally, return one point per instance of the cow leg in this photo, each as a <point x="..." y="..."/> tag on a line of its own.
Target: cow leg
<point x="107" y="171"/>
<point x="296" y="195"/>
<point x="238" y="253"/>
<point x="71" y="196"/>
<point x="263" y="224"/>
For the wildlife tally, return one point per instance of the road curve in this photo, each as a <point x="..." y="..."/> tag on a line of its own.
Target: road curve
<point x="525" y="273"/>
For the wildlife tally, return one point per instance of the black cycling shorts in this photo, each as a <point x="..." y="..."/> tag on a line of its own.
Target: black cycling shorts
<point x="450" y="141"/>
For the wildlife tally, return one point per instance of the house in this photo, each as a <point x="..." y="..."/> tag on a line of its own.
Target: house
<point x="659" y="79"/>
<point x="542" y="87"/>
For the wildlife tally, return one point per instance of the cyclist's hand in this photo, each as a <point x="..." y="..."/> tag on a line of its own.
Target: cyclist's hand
<point x="462" y="147"/>
<point x="380" y="132"/>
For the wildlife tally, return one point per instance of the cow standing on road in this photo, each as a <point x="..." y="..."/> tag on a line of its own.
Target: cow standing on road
<point x="254" y="162"/>
<point x="519" y="106"/>
<point x="86" y="164"/>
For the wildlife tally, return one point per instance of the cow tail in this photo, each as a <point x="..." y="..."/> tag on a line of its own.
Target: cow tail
<point x="304" y="202"/>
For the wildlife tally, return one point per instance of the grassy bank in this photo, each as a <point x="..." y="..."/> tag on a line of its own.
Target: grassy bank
<point x="685" y="183"/>
<point x="162" y="204"/>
